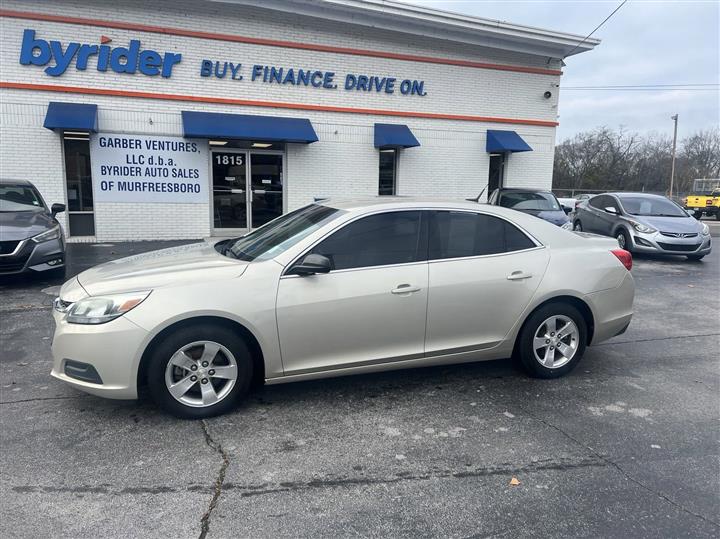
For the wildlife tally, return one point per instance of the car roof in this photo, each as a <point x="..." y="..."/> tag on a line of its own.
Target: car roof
<point x="523" y="190"/>
<point x="15" y="182"/>
<point x="400" y="202"/>
<point x="630" y="193"/>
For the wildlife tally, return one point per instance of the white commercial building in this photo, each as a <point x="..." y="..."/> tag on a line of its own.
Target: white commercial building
<point x="174" y="120"/>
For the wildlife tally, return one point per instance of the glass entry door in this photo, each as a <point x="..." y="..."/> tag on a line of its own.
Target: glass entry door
<point x="247" y="189"/>
<point x="229" y="178"/>
<point x="266" y="187"/>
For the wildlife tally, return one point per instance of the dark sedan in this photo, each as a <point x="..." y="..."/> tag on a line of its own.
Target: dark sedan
<point x="542" y="204"/>
<point x="31" y="239"/>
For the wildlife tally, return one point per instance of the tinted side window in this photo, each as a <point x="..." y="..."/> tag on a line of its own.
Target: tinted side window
<point x="459" y="234"/>
<point x="377" y="240"/>
<point x="598" y="202"/>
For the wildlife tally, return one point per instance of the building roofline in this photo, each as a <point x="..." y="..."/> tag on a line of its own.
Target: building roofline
<point x="435" y="23"/>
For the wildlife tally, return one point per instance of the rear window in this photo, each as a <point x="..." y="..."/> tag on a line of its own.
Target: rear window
<point x="526" y="200"/>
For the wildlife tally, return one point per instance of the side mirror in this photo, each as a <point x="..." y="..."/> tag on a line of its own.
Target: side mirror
<point x="567" y="210"/>
<point x="612" y="210"/>
<point x="312" y="264"/>
<point x="57" y="208"/>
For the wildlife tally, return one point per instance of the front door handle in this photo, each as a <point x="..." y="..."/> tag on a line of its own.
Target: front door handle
<point x="405" y="289"/>
<point x="518" y="276"/>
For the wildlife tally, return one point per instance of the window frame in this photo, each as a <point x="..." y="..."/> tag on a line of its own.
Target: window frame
<point x="308" y="250"/>
<point x="396" y="167"/>
<point x="536" y="243"/>
<point x="425" y="219"/>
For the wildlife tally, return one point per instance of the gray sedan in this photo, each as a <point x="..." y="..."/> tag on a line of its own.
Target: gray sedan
<point x="645" y="223"/>
<point x="30" y="237"/>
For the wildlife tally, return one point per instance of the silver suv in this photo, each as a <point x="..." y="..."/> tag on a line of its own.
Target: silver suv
<point x="644" y="223"/>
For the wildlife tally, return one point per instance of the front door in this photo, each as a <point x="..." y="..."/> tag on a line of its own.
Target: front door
<point x="369" y="309"/>
<point x="247" y="189"/>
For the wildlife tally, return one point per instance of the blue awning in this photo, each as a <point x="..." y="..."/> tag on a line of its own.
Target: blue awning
<point x="78" y="116"/>
<point x="505" y="141"/>
<point x="245" y="127"/>
<point x="394" y="136"/>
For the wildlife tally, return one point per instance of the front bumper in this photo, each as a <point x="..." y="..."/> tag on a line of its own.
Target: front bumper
<point x="31" y="256"/>
<point x="660" y="243"/>
<point x="113" y="350"/>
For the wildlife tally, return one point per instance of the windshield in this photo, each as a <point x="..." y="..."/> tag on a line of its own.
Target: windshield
<point x="651" y="206"/>
<point x="19" y="198"/>
<point x="279" y="235"/>
<point x="529" y="201"/>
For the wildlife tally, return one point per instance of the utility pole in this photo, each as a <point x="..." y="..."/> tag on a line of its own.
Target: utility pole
<point x="672" y="167"/>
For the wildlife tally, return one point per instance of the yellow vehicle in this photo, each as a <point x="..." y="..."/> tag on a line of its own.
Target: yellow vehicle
<point x="704" y="204"/>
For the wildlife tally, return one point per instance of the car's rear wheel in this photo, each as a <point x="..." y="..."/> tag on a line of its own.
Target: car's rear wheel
<point x="577" y="226"/>
<point x="200" y="371"/>
<point x="552" y="340"/>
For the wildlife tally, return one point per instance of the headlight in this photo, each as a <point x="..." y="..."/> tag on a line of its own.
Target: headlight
<point x="51" y="234"/>
<point x="567" y="225"/>
<point x="642" y="228"/>
<point x="98" y="310"/>
<point x="705" y="230"/>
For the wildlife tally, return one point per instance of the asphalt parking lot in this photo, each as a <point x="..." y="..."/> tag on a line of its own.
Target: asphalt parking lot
<point x="627" y="445"/>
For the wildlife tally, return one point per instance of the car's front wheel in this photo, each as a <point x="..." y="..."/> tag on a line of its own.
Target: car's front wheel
<point x="623" y="239"/>
<point x="552" y="340"/>
<point x="199" y="371"/>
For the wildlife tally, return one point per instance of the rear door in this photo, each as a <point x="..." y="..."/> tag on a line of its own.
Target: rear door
<point x="370" y="308"/>
<point x="483" y="272"/>
<point x="590" y="218"/>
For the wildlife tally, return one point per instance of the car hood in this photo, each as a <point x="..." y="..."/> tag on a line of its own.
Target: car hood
<point x="670" y="224"/>
<point x="19" y="225"/>
<point x="556" y="217"/>
<point x="181" y="265"/>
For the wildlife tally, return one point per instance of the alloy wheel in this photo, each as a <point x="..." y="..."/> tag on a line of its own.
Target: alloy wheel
<point x="556" y="341"/>
<point x="201" y="374"/>
<point x="621" y="240"/>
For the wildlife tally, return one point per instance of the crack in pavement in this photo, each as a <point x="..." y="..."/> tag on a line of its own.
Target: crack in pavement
<point x="620" y="469"/>
<point x="699" y="335"/>
<point x="217" y="490"/>
<point x="505" y="468"/>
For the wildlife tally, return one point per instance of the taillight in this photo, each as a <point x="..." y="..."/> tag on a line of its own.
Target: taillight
<point x="624" y="257"/>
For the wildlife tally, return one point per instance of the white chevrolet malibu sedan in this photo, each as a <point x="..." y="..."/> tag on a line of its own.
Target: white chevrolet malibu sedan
<point x="340" y="288"/>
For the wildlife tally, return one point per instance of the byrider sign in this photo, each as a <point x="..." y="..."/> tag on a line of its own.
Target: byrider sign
<point x="128" y="59"/>
<point x="57" y="58"/>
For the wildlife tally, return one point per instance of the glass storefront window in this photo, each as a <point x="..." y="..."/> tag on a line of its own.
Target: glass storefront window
<point x="388" y="172"/>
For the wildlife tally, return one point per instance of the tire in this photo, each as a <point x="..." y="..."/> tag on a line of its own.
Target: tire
<point x="623" y="239"/>
<point x="695" y="258"/>
<point x="577" y="226"/>
<point x="222" y="348"/>
<point x="538" y="325"/>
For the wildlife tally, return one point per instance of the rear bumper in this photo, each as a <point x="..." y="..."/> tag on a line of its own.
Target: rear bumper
<point x="612" y="310"/>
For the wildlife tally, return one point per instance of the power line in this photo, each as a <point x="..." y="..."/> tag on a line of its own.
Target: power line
<point x="596" y="29"/>
<point x="625" y="86"/>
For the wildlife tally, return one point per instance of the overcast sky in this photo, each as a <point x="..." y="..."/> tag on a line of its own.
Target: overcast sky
<point x="645" y="42"/>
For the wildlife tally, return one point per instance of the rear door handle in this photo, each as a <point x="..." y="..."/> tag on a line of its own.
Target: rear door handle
<point x="518" y="276"/>
<point x="405" y="289"/>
